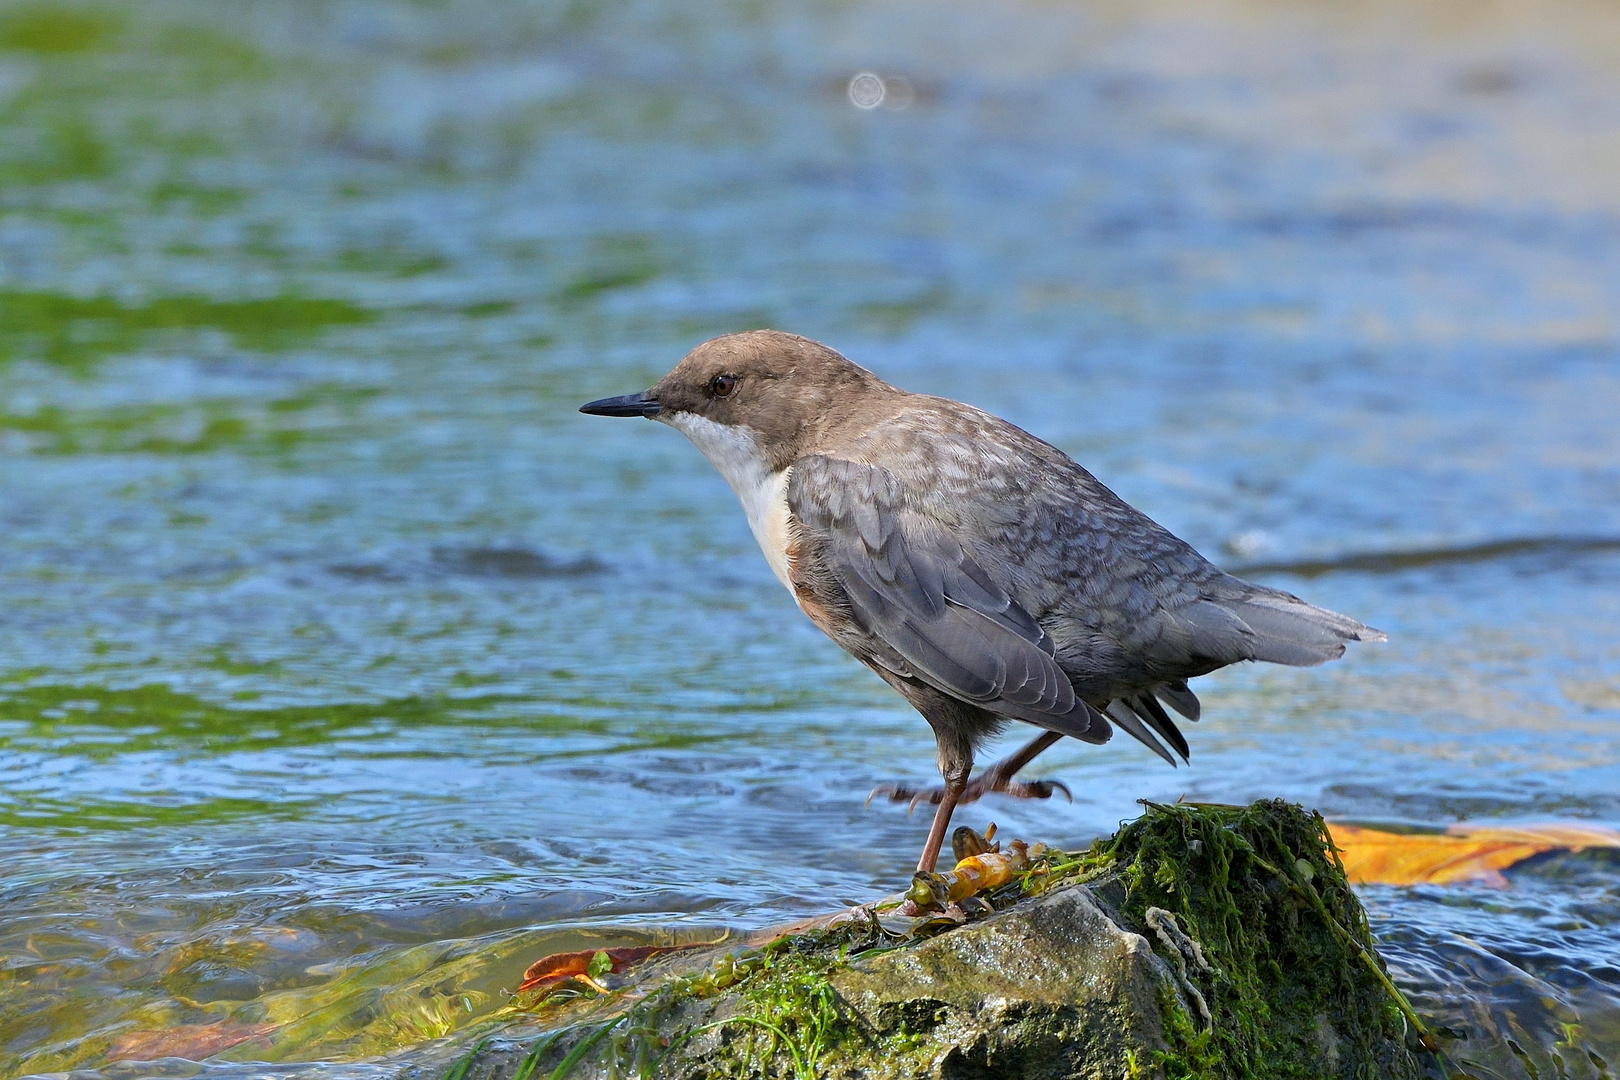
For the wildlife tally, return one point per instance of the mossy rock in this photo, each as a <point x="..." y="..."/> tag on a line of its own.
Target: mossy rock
<point x="1199" y="941"/>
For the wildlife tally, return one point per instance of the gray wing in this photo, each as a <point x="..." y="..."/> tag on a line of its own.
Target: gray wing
<point x="1129" y="604"/>
<point x="938" y="615"/>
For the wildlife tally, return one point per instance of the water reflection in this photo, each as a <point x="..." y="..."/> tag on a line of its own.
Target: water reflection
<point x="343" y="673"/>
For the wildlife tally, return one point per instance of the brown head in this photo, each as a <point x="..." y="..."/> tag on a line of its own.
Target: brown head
<point x="781" y="392"/>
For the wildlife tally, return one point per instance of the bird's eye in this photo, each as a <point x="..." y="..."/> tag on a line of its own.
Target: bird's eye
<point x="723" y="385"/>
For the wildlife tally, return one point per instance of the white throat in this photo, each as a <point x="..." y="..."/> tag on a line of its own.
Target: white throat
<point x="735" y="453"/>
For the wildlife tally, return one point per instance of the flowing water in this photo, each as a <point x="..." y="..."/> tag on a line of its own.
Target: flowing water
<point x="345" y="669"/>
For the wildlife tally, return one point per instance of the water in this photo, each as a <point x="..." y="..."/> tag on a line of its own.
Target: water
<point x="345" y="669"/>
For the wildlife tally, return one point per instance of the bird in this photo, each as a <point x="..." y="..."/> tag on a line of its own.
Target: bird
<point x="978" y="570"/>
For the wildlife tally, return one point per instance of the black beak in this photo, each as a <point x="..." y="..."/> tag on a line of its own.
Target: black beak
<point x="642" y="404"/>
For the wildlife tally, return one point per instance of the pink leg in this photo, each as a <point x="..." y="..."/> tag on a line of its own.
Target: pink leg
<point x="942" y="821"/>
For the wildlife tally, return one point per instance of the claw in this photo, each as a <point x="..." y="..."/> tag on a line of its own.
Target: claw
<point x="894" y="793"/>
<point x="897" y="793"/>
<point x="931" y="797"/>
<point x="1037" y="789"/>
<point x="980" y="787"/>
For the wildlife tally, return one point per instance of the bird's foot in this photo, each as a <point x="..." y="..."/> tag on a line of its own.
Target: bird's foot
<point x="986" y="783"/>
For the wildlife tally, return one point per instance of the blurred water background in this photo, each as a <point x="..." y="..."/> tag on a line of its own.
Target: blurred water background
<point x="344" y="669"/>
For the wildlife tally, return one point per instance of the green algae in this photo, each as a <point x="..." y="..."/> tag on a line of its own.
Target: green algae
<point x="786" y="997"/>
<point x="208" y="57"/>
<point x="66" y="146"/>
<point x="311" y="416"/>
<point x="51" y="30"/>
<point x="94" y="724"/>
<point x="76" y="332"/>
<point x="104" y="723"/>
<point x="892" y="318"/>
<point x="1261" y="891"/>
<point x="613" y="262"/>
<point x="397" y="262"/>
<point x="774" y="1010"/>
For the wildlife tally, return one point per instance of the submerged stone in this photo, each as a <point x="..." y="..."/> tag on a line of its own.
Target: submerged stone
<point x="1217" y="942"/>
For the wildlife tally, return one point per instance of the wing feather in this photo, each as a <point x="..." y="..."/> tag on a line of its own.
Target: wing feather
<point x="915" y="588"/>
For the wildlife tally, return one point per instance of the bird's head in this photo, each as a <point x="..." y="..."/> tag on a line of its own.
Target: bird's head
<point x="775" y="393"/>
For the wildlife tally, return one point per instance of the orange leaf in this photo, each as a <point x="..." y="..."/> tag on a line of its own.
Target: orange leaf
<point x="191" y="1041"/>
<point x="1463" y="853"/>
<point x="559" y="966"/>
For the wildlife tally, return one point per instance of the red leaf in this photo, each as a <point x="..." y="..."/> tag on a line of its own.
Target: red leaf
<point x="559" y="966"/>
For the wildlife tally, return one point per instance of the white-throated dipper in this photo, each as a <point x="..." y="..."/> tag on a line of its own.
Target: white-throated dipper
<point x="979" y="571"/>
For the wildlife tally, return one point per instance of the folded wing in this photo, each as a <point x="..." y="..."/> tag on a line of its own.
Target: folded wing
<point x="915" y="589"/>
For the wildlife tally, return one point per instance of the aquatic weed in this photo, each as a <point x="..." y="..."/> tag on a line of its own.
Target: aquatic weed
<point x="786" y="1008"/>
<point x="1259" y="890"/>
<point x="784" y="992"/>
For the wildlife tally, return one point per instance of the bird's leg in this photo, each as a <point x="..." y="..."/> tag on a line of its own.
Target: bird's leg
<point x="999" y="777"/>
<point x="954" y="743"/>
<point x="993" y="778"/>
<point x="954" y="785"/>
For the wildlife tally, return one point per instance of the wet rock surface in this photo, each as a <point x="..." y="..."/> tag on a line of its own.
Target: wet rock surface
<point x="1203" y="942"/>
<point x="1053" y="987"/>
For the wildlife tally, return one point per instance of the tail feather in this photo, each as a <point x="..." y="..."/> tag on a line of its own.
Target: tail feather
<point x="1122" y="714"/>
<point x="1284" y="629"/>
<point x="1178" y="697"/>
<point x="1148" y="708"/>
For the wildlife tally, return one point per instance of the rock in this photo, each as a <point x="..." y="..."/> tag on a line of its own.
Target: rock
<point x="1053" y="987"/>
<point x="1203" y="942"/>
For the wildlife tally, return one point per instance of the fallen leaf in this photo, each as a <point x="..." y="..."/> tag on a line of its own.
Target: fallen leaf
<point x="549" y="970"/>
<point x="193" y="1042"/>
<point x="1463" y="853"/>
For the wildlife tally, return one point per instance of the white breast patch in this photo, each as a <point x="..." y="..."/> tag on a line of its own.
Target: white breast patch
<point x="735" y="454"/>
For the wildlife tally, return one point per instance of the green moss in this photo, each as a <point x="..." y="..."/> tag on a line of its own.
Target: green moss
<point x="786" y="1018"/>
<point x="1194" y="1056"/>
<point x="773" y="1010"/>
<point x="1260" y="889"/>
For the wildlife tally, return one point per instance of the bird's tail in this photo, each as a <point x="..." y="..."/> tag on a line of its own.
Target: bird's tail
<point x="1248" y="622"/>
<point x="1144" y="719"/>
<point x="1284" y="629"/>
